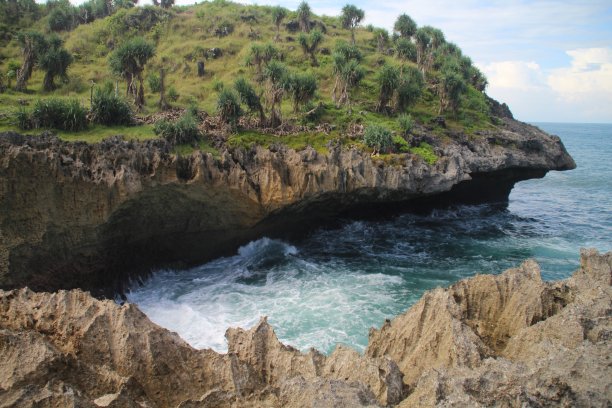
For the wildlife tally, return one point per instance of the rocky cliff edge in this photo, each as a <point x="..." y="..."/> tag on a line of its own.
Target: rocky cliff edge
<point x="507" y="340"/>
<point x="93" y="216"/>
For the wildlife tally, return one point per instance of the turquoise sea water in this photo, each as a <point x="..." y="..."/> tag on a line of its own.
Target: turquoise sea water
<point x="332" y="286"/>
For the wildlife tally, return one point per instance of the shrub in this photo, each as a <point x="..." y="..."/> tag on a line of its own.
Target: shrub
<point x="172" y="94"/>
<point x="62" y="18"/>
<point x="406" y="123"/>
<point x="400" y="144"/>
<point x="23" y="119"/>
<point x="377" y="137"/>
<point x="154" y="82"/>
<point x="109" y="109"/>
<point x="59" y="114"/>
<point x="183" y="131"/>
<point x="228" y="106"/>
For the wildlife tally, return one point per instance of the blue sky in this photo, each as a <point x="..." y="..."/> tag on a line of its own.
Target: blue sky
<point x="550" y="60"/>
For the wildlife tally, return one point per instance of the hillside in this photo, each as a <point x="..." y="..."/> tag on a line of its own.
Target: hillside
<point x="408" y="111"/>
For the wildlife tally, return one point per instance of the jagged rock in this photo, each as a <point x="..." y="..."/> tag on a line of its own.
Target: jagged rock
<point x="106" y="212"/>
<point x="506" y="340"/>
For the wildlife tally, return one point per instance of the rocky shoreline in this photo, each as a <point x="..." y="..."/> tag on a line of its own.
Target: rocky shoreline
<point x="93" y="216"/>
<point x="503" y="340"/>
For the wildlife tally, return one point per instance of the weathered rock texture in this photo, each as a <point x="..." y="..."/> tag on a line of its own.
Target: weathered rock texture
<point x="81" y="215"/>
<point x="510" y="340"/>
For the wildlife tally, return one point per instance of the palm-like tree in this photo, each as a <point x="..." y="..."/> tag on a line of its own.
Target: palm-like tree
<point x="348" y="72"/>
<point x="32" y="45"/>
<point x="310" y="43"/>
<point x="275" y="75"/>
<point x="304" y="13"/>
<point x="388" y="79"/>
<point x="405" y="26"/>
<point x="260" y="55"/>
<point x="54" y="61"/>
<point x="302" y="88"/>
<point x="351" y="17"/>
<point x="382" y="38"/>
<point x="128" y="61"/>
<point x="249" y="97"/>
<point x="278" y="15"/>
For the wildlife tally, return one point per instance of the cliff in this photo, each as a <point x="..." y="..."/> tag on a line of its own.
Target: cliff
<point x="506" y="340"/>
<point x="94" y="215"/>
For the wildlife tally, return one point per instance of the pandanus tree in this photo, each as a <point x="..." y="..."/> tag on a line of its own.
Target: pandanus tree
<point x="382" y="38"/>
<point x="405" y="26"/>
<point x="303" y="14"/>
<point x="351" y="17"/>
<point x="275" y="74"/>
<point x="128" y="61"/>
<point x="54" y="61"/>
<point x="388" y="80"/>
<point x="347" y="71"/>
<point x="278" y="15"/>
<point x="310" y="43"/>
<point x="409" y="89"/>
<point x="32" y="45"/>
<point x="405" y="49"/>
<point x="422" y="40"/>
<point x="259" y="56"/>
<point x="251" y="99"/>
<point x="301" y="88"/>
<point x="452" y="85"/>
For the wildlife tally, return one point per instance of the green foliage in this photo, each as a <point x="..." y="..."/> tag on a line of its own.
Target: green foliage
<point x="450" y="89"/>
<point x="409" y="88"/>
<point x="303" y="15"/>
<point x="109" y="109"/>
<point x="406" y="123"/>
<point x="172" y="94"/>
<point x="377" y="137"/>
<point x="405" y="50"/>
<point x="183" y="131"/>
<point x="388" y="80"/>
<point x="347" y="70"/>
<point x="62" y="18"/>
<point x="23" y="119"/>
<point x="228" y="107"/>
<point x="301" y="87"/>
<point x="128" y="61"/>
<point x="154" y="82"/>
<point x="278" y="15"/>
<point x="426" y="152"/>
<point x="381" y="38"/>
<point x="54" y="60"/>
<point x="58" y="114"/>
<point x="351" y="17"/>
<point x="310" y="43"/>
<point x="405" y="26"/>
<point x="249" y="97"/>
<point x="400" y="144"/>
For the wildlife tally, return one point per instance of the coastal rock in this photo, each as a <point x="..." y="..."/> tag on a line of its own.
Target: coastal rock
<point x="506" y="340"/>
<point x="94" y="216"/>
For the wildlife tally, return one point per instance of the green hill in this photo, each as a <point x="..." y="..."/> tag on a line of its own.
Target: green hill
<point x="425" y="77"/>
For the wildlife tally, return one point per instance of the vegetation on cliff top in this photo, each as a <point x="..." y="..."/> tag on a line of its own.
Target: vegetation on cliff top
<point x="253" y="75"/>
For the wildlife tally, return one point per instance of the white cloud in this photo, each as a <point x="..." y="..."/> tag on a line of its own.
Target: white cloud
<point x="518" y="75"/>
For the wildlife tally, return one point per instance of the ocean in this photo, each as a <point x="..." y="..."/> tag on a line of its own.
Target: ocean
<point x="333" y="285"/>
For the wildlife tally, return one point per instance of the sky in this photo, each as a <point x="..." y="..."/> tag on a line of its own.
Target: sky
<point x="549" y="60"/>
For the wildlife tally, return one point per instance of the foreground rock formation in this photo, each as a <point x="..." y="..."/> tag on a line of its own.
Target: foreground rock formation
<point x="92" y="216"/>
<point x="506" y="340"/>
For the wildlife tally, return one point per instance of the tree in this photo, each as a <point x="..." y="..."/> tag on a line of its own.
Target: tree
<point x="450" y="89"/>
<point x="309" y="44"/>
<point x="382" y="38"/>
<point x="228" y="106"/>
<point x="351" y="17"/>
<point x="405" y="49"/>
<point x="249" y="97"/>
<point x="166" y="4"/>
<point x="377" y="137"/>
<point x="388" y="80"/>
<point x="278" y="15"/>
<point x="260" y="55"/>
<point x="275" y="74"/>
<point x="32" y="45"/>
<point x="348" y="72"/>
<point x="128" y="61"/>
<point x="304" y="13"/>
<point x="422" y="40"/>
<point x="54" y="61"/>
<point x="301" y="87"/>
<point x="405" y="26"/>
<point x="409" y="88"/>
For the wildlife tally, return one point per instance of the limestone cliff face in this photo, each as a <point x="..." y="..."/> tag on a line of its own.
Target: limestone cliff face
<point x="80" y="215"/>
<point x="509" y="340"/>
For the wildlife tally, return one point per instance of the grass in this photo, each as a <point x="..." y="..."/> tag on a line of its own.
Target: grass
<point x="203" y="146"/>
<point x="181" y="38"/>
